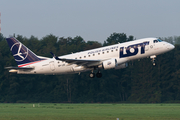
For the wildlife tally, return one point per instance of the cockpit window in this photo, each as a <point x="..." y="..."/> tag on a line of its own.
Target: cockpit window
<point x="159" y="40"/>
<point x="155" y="41"/>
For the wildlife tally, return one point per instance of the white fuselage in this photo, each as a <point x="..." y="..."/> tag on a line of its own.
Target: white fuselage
<point x="122" y="52"/>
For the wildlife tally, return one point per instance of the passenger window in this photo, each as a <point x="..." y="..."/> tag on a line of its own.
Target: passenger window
<point x="93" y="54"/>
<point x="98" y="53"/>
<point x="107" y="51"/>
<point x="80" y="57"/>
<point x="102" y="52"/>
<point x="89" y="55"/>
<point x="84" y="56"/>
<point x="111" y="50"/>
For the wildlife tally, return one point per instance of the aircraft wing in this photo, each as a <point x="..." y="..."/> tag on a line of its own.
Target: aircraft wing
<point x="81" y="62"/>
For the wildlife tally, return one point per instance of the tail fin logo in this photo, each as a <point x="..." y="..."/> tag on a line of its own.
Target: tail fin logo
<point x="20" y="51"/>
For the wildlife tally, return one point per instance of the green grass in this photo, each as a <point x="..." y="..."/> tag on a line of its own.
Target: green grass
<point x="89" y="111"/>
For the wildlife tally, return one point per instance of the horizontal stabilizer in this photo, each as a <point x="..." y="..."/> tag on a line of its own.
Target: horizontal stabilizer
<point x="20" y="68"/>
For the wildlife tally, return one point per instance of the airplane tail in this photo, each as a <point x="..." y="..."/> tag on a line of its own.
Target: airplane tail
<point x="22" y="55"/>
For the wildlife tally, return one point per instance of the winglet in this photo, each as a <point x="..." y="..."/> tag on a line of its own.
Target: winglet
<point x="55" y="56"/>
<point x="52" y="54"/>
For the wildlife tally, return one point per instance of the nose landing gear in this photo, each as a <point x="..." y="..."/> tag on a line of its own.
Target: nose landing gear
<point x="153" y="59"/>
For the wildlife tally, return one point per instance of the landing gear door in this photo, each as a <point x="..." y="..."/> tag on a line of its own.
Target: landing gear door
<point x="51" y="64"/>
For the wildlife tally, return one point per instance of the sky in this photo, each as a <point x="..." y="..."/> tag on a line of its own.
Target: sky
<point x="93" y="20"/>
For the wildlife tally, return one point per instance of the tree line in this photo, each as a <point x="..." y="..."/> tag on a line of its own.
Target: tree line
<point x="140" y="82"/>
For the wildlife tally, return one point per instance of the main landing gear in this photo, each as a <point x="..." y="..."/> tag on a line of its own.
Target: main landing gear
<point x="92" y="75"/>
<point x="98" y="74"/>
<point x="153" y="59"/>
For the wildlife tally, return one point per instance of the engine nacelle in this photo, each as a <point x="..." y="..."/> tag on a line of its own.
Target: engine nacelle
<point x="109" y="64"/>
<point x="121" y="61"/>
<point x="121" y="66"/>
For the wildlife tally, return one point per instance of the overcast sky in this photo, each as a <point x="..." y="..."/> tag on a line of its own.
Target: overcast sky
<point x="93" y="20"/>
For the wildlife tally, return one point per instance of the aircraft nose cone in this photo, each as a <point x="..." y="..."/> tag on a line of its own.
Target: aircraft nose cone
<point x="173" y="46"/>
<point x="170" y="46"/>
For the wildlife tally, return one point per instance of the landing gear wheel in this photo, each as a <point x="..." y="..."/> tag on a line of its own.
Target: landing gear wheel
<point x="98" y="75"/>
<point x="153" y="62"/>
<point x="91" y="75"/>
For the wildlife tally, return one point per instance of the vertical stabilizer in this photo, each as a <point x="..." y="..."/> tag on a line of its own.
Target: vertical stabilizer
<point x="21" y="53"/>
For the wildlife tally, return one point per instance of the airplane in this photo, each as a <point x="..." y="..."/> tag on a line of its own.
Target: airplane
<point x="109" y="57"/>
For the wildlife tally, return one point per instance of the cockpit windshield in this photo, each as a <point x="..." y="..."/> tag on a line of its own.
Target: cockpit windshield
<point x="159" y="40"/>
<point x="156" y="41"/>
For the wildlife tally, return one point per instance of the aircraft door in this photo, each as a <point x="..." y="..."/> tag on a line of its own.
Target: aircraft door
<point x="146" y="45"/>
<point x="154" y="42"/>
<point x="51" y="64"/>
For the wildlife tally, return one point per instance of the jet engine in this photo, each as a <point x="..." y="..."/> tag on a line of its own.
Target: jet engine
<point x="121" y="66"/>
<point x="109" y="64"/>
<point x="114" y="63"/>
